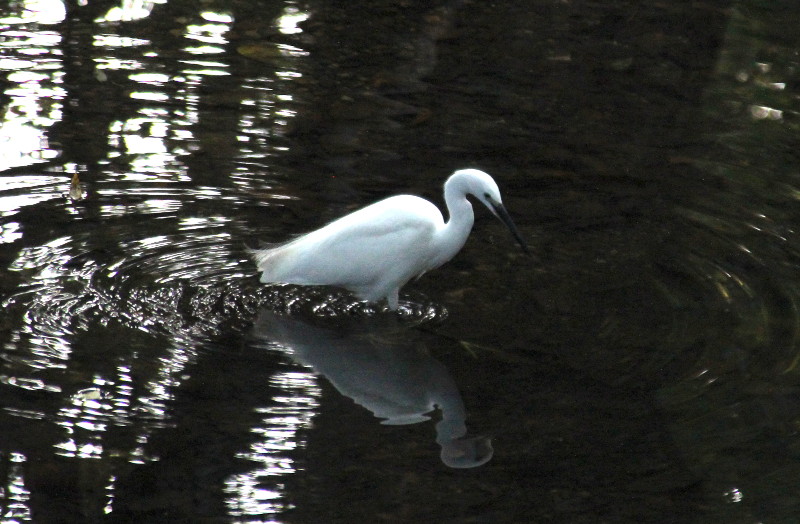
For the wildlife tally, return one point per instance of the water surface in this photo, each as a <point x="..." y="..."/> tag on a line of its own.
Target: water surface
<point x="642" y="366"/>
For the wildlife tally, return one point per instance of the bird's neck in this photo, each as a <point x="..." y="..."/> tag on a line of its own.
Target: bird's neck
<point x="455" y="232"/>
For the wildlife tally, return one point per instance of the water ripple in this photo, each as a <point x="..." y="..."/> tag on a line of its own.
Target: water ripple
<point x="331" y="303"/>
<point x="184" y="285"/>
<point x="739" y="274"/>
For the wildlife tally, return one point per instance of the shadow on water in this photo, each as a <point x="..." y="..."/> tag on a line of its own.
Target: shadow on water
<point x="643" y="368"/>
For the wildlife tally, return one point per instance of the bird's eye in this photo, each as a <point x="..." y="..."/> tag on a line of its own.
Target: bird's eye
<point x="487" y="196"/>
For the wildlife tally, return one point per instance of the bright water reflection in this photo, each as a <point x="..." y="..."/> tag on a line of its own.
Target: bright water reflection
<point x="130" y="10"/>
<point x="16" y="495"/>
<point x="33" y="65"/>
<point x="103" y="405"/>
<point x="655" y="154"/>
<point x="55" y="291"/>
<point x="259" y="492"/>
<point x="99" y="277"/>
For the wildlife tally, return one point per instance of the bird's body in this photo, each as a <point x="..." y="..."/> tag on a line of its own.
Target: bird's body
<point x="374" y="251"/>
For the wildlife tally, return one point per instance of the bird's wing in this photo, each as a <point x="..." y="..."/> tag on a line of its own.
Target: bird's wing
<point x="387" y="242"/>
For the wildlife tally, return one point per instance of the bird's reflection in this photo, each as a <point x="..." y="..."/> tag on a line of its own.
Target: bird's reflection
<point x="387" y="370"/>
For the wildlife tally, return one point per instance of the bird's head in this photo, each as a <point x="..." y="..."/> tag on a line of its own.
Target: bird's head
<point x="484" y="188"/>
<point x="481" y="186"/>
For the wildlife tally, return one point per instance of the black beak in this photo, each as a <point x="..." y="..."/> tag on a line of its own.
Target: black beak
<point x="503" y="215"/>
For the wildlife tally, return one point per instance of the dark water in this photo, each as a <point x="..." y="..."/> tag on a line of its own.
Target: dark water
<point x="643" y="366"/>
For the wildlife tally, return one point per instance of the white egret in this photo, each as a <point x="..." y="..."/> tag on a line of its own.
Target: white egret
<point x="374" y="251"/>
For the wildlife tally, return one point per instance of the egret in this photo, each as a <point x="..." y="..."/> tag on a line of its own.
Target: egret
<point x="374" y="251"/>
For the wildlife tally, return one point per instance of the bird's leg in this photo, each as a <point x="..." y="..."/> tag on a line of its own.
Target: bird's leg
<point x="393" y="299"/>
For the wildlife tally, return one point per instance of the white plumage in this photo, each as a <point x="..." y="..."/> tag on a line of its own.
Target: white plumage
<point x="374" y="251"/>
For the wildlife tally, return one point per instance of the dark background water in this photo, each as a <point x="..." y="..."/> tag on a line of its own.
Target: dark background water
<point x="642" y="366"/>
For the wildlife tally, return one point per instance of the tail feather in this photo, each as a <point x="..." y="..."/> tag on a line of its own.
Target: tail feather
<point x="268" y="262"/>
<point x="261" y="256"/>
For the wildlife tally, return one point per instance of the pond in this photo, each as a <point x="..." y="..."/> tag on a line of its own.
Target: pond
<point x="643" y="365"/>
